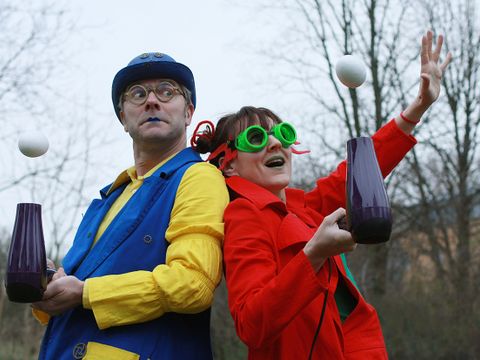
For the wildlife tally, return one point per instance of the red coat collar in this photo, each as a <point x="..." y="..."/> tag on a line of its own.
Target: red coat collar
<point x="262" y="197"/>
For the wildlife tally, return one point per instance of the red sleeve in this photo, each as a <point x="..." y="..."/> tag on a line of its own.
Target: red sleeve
<point x="391" y="145"/>
<point x="262" y="299"/>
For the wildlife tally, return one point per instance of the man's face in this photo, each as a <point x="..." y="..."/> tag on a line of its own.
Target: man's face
<point x="155" y="121"/>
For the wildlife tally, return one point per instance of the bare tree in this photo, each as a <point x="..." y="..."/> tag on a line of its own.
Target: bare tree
<point x="443" y="183"/>
<point x="31" y="40"/>
<point x="435" y="193"/>
<point x="319" y="34"/>
<point x="33" y="95"/>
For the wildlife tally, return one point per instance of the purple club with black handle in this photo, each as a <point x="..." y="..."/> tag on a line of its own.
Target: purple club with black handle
<point x="369" y="217"/>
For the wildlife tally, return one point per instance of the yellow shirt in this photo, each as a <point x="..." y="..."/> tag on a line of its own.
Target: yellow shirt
<point x="134" y="183"/>
<point x="193" y="265"/>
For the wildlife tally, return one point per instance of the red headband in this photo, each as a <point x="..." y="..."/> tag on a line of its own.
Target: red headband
<point x="229" y="154"/>
<point x="207" y="133"/>
<point x="298" y="152"/>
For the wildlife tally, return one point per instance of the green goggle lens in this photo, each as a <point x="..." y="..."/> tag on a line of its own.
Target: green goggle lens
<point x="252" y="139"/>
<point x="255" y="138"/>
<point x="285" y="133"/>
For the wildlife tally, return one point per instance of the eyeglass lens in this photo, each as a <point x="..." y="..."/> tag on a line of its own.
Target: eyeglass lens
<point x="164" y="92"/>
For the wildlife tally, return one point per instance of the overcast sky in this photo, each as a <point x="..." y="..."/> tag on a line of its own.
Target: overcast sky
<point x="215" y="38"/>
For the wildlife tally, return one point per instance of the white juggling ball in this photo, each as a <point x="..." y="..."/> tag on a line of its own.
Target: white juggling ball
<point x="33" y="143"/>
<point x="351" y="71"/>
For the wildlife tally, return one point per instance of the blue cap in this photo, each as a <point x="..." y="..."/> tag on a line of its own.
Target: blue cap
<point x="151" y="66"/>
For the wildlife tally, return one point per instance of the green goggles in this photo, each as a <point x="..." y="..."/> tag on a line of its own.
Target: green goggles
<point x="255" y="138"/>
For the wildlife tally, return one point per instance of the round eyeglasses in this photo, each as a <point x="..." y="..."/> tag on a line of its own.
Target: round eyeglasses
<point x="164" y="91"/>
<point x="255" y="138"/>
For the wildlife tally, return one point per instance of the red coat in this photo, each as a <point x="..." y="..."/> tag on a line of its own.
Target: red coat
<point x="275" y="296"/>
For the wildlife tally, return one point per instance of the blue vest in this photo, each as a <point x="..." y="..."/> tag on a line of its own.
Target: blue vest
<point x="135" y="240"/>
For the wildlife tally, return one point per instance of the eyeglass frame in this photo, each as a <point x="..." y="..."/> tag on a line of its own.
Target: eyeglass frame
<point x="149" y="89"/>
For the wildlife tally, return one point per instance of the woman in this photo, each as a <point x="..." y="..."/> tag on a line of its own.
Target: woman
<point x="290" y="292"/>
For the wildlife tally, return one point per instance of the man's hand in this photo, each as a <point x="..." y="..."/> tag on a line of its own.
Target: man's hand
<point x="63" y="293"/>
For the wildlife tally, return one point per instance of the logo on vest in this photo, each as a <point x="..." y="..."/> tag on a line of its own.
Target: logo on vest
<point x="147" y="239"/>
<point x="79" y="351"/>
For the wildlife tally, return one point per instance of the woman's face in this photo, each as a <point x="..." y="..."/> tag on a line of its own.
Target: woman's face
<point x="270" y="168"/>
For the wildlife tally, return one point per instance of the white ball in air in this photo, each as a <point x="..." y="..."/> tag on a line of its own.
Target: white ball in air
<point x="33" y="143"/>
<point x="351" y="71"/>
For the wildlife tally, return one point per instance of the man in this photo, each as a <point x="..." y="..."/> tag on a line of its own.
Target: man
<point x="139" y="279"/>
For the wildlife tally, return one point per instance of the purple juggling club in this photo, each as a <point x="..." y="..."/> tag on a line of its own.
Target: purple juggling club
<point x="26" y="277"/>
<point x="369" y="217"/>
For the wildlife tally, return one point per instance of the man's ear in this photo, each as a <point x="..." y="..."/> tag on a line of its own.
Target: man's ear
<point x="122" y="118"/>
<point x="230" y="168"/>
<point x="189" y="114"/>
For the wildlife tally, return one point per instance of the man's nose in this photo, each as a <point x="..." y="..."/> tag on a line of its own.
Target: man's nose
<point x="152" y="100"/>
